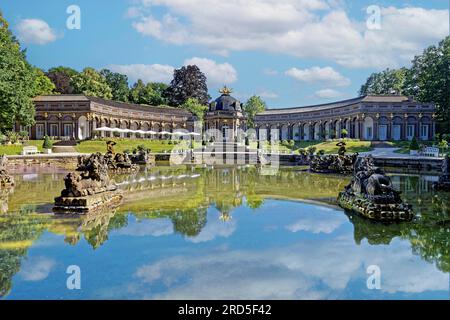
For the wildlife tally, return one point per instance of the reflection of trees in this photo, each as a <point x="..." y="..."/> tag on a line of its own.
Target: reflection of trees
<point x="429" y="235"/>
<point x="17" y="234"/>
<point x="190" y="222"/>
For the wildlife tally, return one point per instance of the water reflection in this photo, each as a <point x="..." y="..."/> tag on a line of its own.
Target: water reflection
<point x="236" y="215"/>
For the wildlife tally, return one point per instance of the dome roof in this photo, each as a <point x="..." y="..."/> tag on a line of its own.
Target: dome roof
<point x="225" y="102"/>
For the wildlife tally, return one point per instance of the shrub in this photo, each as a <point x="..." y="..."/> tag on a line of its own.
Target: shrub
<point x="414" y="145"/>
<point x="12" y="137"/>
<point x="312" y="150"/>
<point x="321" y="152"/>
<point x="47" y="143"/>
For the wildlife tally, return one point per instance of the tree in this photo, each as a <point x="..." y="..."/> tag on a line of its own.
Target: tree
<point x="253" y="106"/>
<point x="195" y="107"/>
<point x="385" y="82"/>
<point x="62" y="79"/>
<point x="150" y="93"/>
<point x="17" y="82"/>
<point x="344" y="133"/>
<point x="91" y="83"/>
<point x="188" y="82"/>
<point x="118" y="84"/>
<point x="157" y="93"/>
<point x="42" y="84"/>
<point x="429" y="80"/>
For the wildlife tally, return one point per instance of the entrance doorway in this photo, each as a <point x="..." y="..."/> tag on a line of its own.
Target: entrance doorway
<point x="383" y="132"/>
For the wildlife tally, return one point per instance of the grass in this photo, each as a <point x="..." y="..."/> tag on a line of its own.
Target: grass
<point x="157" y="146"/>
<point x="328" y="146"/>
<point x="403" y="146"/>
<point x="16" y="149"/>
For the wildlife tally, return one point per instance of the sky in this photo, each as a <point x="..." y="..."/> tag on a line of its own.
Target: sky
<point x="290" y="52"/>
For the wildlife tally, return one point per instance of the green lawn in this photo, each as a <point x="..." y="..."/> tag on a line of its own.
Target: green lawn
<point x="157" y="146"/>
<point x="404" y="146"/>
<point x="328" y="146"/>
<point x="17" y="149"/>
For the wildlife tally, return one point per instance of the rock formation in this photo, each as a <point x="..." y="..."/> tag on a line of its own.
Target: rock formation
<point x="6" y="181"/>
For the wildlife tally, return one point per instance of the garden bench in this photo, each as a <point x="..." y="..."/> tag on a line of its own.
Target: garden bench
<point x="430" y="152"/>
<point x="29" y="150"/>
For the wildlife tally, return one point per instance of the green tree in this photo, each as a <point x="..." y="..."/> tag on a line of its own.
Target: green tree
<point x="188" y="82"/>
<point x="91" y="83"/>
<point x="429" y="80"/>
<point x="118" y="84"/>
<point x="157" y="93"/>
<point x="17" y="82"/>
<point x="150" y="93"/>
<point x="195" y="107"/>
<point x="253" y="106"/>
<point x="42" y="84"/>
<point x="386" y="82"/>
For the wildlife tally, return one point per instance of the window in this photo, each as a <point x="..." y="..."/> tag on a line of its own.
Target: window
<point x="410" y="131"/>
<point x="68" y="130"/>
<point x="424" y="132"/>
<point x="39" y="131"/>
<point x="54" y="130"/>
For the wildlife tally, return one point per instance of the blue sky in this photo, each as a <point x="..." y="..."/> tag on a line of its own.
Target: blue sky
<point x="291" y="52"/>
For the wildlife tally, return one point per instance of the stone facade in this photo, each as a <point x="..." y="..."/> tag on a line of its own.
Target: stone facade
<point x="381" y="118"/>
<point x="66" y="117"/>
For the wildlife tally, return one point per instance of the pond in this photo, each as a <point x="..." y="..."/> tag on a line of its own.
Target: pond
<point x="224" y="233"/>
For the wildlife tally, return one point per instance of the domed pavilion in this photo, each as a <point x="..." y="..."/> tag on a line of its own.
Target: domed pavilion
<point x="225" y="115"/>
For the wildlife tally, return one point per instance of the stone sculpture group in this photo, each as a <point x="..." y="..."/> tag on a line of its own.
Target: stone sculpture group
<point x="88" y="188"/>
<point x="444" y="180"/>
<point x="372" y="194"/>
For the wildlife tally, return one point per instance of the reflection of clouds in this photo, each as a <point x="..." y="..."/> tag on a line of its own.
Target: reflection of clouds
<point x="318" y="222"/>
<point x="36" y="268"/>
<point x="148" y="227"/>
<point x="215" y="228"/>
<point x="313" y="270"/>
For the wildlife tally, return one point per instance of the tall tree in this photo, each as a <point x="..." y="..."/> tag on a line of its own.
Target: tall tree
<point x="62" y="79"/>
<point x="157" y="93"/>
<point x="17" y="82"/>
<point x="118" y="84"/>
<point x="150" y="93"/>
<point x="91" y="83"/>
<point x="42" y="84"/>
<point x="253" y="106"/>
<point x="389" y="81"/>
<point x="188" y="82"/>
<point x="429" y="80"/>
<point x="195" y="107"/>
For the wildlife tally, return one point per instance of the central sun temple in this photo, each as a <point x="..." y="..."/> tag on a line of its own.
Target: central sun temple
<point x="374" y="117"/>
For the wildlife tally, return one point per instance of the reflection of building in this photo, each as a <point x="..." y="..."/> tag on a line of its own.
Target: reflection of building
<point x="390" y="117"/>
<point x="76" y="116"/>
<point x="225" y="115"/>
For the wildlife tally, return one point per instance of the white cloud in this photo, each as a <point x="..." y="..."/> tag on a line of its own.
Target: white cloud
<point x="326" y="75"/>
<point x="268" y="94"/>
<point x="152" y="227"/>
<point x="328" y="94"/>
<point x="145" y="72"/>
<point x="317" y="222"/>
<point x="310" y="269"/>
<point x="35" y="31"/>
<point x="37" y="268"/>
<point x="217" y="73"/>
<point x="316" y="29"/>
